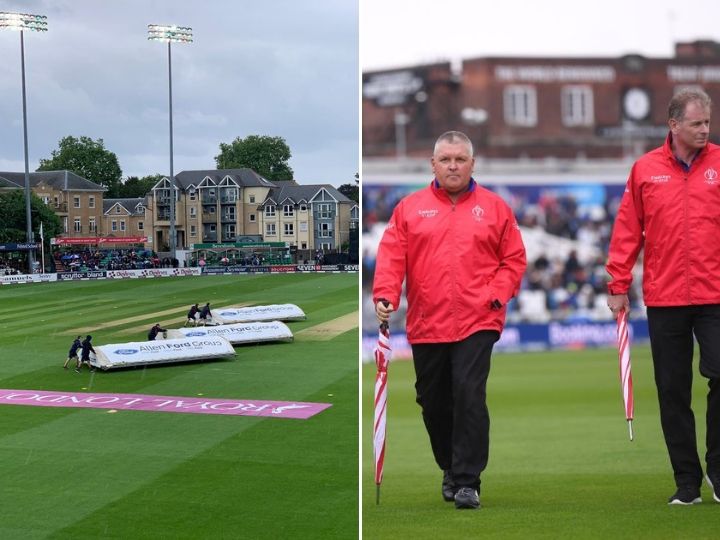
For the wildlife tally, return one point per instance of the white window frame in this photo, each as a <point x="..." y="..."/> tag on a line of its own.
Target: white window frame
<point x="77" y="225"/>
<point x="193" y="230"/>
<point x="91" y="201"/>
<point x="76" y="201"/>
<point x="269" y="211"/>
<point x="303" y="226"/>
<point x="324" y="211"/>
<point x="141" y="226"/>
<point x="92" y="225"/>
<point x="576" y="105"/>
<point x="113" y="226"/>
<point x="270" y="229"/>
<point x="252" y="218"/>
<point x="122" y="225"/>
<point x="289" y="229"/>
<point x="288" y="210"/>
<point x="520" y="105"/>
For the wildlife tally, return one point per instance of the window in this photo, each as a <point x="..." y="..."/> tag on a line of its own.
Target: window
<point x="193" y="212"/>
<point x="229" y="231"/>
<point x="288" y="210"/>
<point x="92" y="226"/>
<point x="269" y="211"/>
<point x="113" y="226"/>
<point x="252" y="218"/>
<point x="289" y="229"/>
<point x="252" y="198"/>
<point x="577" y="105"/>
<point x="118" y="209"/>
<point x="76" y="202"/>
<point x="303" y="207"/>
<point x="325" y="231"/>
<point x="324" y="211"/>
<point x="46" y="199"/>
<point x="270" y="229"/>
<point x="303" y="245"/>
<point x="520" y="105"/>
<point x="78" y="225"/>
<point x="65" y="224"/>
<point x="193" y="230"/>
<point x="91" y="201"/>
<point x="325" y="246"/>
<point x="303" y="226"/>
<point x="122" y="225"/>
<point x="193" y="194"/>
<point x="141" y="226"/>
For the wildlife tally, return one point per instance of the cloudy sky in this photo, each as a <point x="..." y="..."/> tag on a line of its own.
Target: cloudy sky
<point x="398" y="33"/>
<point x="277" y="67"/>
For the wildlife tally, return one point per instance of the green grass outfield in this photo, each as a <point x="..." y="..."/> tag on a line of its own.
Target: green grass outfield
<point x="561" y="463"/>
<point x="85" y="473"/>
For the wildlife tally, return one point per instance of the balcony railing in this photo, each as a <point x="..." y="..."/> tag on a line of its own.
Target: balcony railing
<point x="228" y="218"/>
<point x="208" y="217"/>
<point x="210" y="237"/>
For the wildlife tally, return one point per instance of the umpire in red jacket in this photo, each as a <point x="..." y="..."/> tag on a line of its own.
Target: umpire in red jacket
<point x="459" y="248"/>
<point x="671" y="209"/>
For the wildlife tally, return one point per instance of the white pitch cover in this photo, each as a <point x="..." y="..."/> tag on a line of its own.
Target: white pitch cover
<point x="274" y="312"/>
<point x="138" y="353"/>
<point x="254" y="332"/>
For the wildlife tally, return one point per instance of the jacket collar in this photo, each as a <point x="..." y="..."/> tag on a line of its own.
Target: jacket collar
<point x="440" y="192"/>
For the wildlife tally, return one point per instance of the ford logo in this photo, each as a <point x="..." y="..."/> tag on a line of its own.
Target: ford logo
<point x="226" y="313"/>
<point x="196" y="333"/>
<point x="126" y="351"/>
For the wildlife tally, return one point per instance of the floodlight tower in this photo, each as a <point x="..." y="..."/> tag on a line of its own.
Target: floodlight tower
<point x="170" y="34"/>
<point x="34" y="23"/>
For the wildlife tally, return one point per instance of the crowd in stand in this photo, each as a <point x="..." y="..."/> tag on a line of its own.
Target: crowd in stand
<point x="566" y="246"/>
<point x="108" y="259"/>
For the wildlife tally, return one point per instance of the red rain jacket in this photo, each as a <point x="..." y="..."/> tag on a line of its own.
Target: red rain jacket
<point x="676" y="216"/>
<point x="457" y="258"/>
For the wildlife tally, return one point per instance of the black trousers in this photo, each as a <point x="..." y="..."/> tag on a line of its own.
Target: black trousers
<point x="671" y="340"/>
<point x="451" y="379"/>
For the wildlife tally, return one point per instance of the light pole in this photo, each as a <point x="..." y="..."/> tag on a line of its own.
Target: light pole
<point x="37" y="23"/>
<point x="170" y="34"/>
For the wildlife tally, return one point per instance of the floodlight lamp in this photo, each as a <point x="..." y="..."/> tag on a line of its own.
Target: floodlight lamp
<point x="23" y="21"/>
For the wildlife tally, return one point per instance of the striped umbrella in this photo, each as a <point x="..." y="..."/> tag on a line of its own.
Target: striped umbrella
<point x="623" y="339"/>
<point x="383" y="353"/>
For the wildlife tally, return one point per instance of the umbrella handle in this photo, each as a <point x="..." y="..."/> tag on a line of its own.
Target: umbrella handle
<point x="383" y="326"/>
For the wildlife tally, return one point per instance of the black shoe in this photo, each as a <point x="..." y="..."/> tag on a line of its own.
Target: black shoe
<point x="467" y="498"/>
<point x="686" y="495"/>
<point x="714" y="485"/>
<point x="448" y="486"/>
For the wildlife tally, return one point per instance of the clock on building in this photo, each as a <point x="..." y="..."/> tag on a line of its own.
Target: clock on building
<point x="636" y="104"/>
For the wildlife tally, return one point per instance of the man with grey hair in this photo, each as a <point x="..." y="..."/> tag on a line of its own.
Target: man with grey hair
<point x="671" y="209"/>
<point x="459" y="249"/>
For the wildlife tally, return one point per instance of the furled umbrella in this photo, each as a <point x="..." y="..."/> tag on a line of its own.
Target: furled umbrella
<point x="623" y="340"/>
<point x="383" y="353"/>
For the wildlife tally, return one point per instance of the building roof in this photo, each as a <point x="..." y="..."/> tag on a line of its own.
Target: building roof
<point x="60" y="180"/>
<point x="129" y="204"/>
<point x="244" y="177"/>
<point x="298" y="193"/>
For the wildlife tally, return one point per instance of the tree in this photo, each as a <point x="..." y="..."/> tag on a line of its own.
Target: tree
<point x="87" y="158"/>
<point x="351" y="191"/>
<point x="267" y="156"/>
<point x="13" y="225"/>
<point x="138" y="187"/>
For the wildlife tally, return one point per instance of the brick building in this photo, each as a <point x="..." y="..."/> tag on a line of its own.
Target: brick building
<point x="531" y="107"/>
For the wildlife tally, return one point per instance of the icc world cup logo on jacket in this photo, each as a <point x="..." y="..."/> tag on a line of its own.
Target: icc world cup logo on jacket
<point x="711" y="176"/>
<point x="477" y="213"/>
